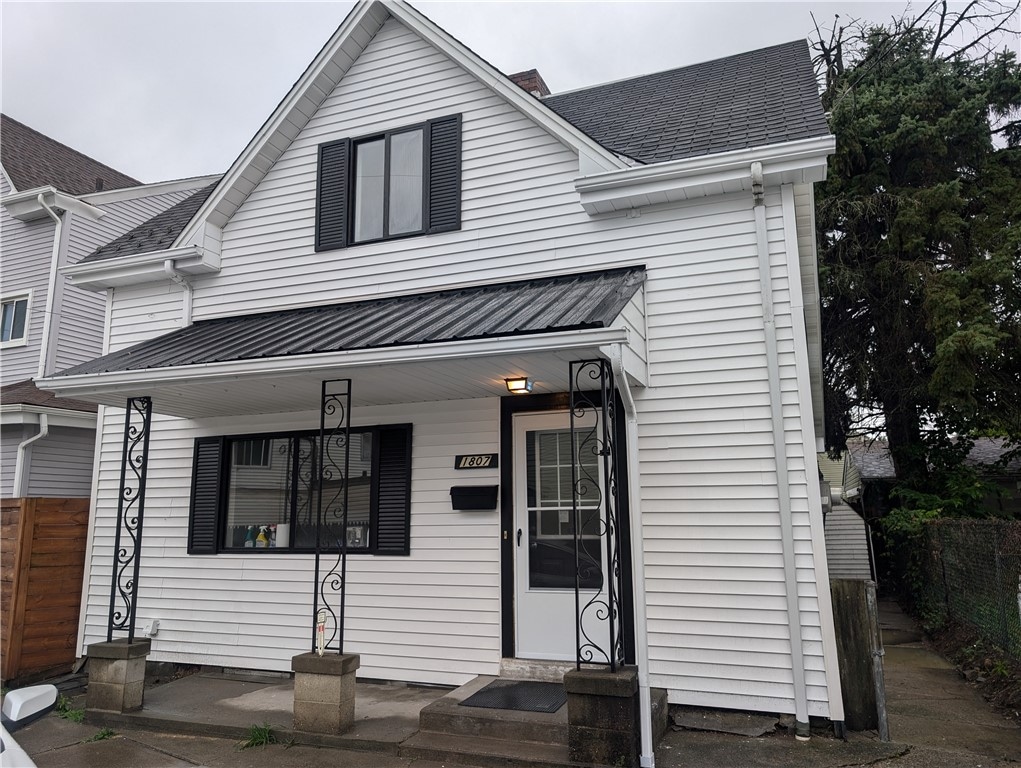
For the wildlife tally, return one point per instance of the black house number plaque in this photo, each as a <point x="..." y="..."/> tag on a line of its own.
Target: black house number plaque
<point x="477" y="461"/>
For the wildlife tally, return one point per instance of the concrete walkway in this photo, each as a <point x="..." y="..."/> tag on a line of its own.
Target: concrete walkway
<point x="936" y="721"/>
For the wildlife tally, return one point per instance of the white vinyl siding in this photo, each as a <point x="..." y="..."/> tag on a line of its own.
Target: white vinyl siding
<point x="27" y="249"/>
<point x="847" y="548"/>
<point x="718" y="624"/>
<point x="432" y="617"/>
<point x="83" y="313"/>
<point x="143" y="311"/>
<point x="60" y="464"/>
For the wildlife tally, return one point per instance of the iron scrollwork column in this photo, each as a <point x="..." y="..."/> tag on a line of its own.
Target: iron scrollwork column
<point x="127" y="547"/>
<point x="594" y="483"/>
<point x="334" y="452"/>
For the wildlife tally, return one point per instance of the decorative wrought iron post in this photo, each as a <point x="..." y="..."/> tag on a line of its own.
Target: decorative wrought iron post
<point x="594" y="482"/>
<point x="331" y="518"/>
<point x="130" y="515"/>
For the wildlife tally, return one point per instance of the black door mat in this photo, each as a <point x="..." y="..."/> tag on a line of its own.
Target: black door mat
<point x="519" y="695"/>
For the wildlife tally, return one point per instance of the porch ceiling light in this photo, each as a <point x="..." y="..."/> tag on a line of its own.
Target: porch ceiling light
<point x="520" y="385"/>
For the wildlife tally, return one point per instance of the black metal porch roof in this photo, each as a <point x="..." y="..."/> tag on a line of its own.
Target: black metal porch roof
<point x="545" y="305"/>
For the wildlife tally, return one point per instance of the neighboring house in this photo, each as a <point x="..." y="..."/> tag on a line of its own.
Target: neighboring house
<point x="57" y="206"/>
<point x="847" y="535"/>
<point x="410" y="219"/>
<point x="869" y="476"/>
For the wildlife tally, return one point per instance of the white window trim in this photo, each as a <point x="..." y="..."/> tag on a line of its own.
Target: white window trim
<point x="18" y="296"/>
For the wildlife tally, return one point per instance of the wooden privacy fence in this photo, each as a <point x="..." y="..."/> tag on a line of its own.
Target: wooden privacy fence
<point x="42" y="560"/>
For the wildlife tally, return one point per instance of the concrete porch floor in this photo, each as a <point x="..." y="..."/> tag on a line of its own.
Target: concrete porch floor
<point x="225" y="705"/>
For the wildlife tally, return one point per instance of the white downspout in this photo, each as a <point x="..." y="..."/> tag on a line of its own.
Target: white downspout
<point x="648" y="756"/>
<point x="181" y="280"/>
<point x="802" y="731"/>
<point x="51" y="290"/>
<point x="20" y="475"/>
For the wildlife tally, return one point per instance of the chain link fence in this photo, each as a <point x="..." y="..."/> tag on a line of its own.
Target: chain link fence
<point x="972" y="574"/>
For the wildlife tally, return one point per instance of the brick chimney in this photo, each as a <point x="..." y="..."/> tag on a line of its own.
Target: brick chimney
<point x="530" y="80"/>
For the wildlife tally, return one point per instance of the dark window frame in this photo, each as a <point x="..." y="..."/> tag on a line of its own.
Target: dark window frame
<point x="441" y="184"/>
<point x="223" y="445"/>
<point x="386" y="136"/>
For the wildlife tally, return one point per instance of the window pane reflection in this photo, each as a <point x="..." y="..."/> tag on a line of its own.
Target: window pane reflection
<point x="405" y="182"/>
<point x="369" y="190"/>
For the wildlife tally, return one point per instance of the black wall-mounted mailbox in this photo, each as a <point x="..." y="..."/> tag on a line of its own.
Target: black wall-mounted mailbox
<point x="473" y="497"/>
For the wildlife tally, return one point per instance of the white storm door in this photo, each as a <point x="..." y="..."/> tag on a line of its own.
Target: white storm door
<point x="545" y="623"/>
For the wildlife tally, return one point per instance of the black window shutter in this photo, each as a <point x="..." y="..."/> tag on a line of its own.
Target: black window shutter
<point x="445" y="174"/>
<point x="331" y="195"/>
<point x="393" y="511"/>
<point x="206" y="492"/>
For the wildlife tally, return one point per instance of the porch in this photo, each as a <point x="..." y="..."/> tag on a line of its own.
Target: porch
<point x="392" y="719"/>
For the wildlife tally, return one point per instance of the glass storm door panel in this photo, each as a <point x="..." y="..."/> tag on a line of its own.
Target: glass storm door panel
<point x="544" y="537"/>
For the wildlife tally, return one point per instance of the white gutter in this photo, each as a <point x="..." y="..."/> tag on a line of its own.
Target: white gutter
<point x="801" y="162"/>
<point x="648" y="754"/>
<point x="801" y="731"/>
<point x="100" y="383"/>
<point x="141" y="267"/>
<point x="22" y="413"/>
<point x="177" y="277"/>
<point x="20" y="475"/>
<point x="51" y="287"/>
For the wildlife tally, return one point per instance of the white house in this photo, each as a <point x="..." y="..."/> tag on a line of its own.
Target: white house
<point x="412" y="221"/>
<point x="58" y="205"/>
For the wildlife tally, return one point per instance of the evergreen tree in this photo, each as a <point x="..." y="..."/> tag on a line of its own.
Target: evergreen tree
<point x="919" y="231"/>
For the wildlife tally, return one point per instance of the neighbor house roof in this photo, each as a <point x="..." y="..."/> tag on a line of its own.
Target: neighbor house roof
<point x="34" y="160"/>
<point x="753" y="99"/>
<point x="27" y="393"/>
<point x="873" y="461"/>
<point x="563" y="303"/>
<point x="156" y="234"/>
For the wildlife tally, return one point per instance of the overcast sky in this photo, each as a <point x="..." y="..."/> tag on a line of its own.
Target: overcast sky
<point x="176" y="89"/>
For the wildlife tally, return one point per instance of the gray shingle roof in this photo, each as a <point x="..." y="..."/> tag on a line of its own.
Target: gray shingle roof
<point x="748" y="100"/>
<point x="156" y="234"/>
<point x="27" y="393"/>
<point x="34" y="160"/>
<point x="567" y="302"/>
<point x="873" y="460"/>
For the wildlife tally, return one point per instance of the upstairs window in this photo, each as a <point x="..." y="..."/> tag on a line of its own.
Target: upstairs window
<point x="14" y="321"/>
<point x="396" y="184"/>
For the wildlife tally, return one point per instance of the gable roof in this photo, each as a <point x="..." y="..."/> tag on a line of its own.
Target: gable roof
<point x="753" y="99"/>
<point x="545" y="305"/>
<point x="156" y="234"/>
<point x="328" y="69"/>
<point x="34" y="160"/>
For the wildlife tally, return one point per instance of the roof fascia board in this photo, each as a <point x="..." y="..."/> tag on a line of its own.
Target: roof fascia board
<point x="262" y="151"/>
<point x="21" y="413"/>
<point x="26" y="206"/>
<point x="598" y="156"/>
<point x="147" y="190"/>
<point x="98" y="383"/>
<point x="803" y="161"/>
<point x="141" y="268"/>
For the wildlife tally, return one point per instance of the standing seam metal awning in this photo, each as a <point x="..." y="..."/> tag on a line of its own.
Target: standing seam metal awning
<point x="439" y="345"/>
<point x="563" y="303"/>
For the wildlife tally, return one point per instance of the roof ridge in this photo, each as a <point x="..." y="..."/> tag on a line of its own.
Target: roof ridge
<point x="672" y="70"/>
